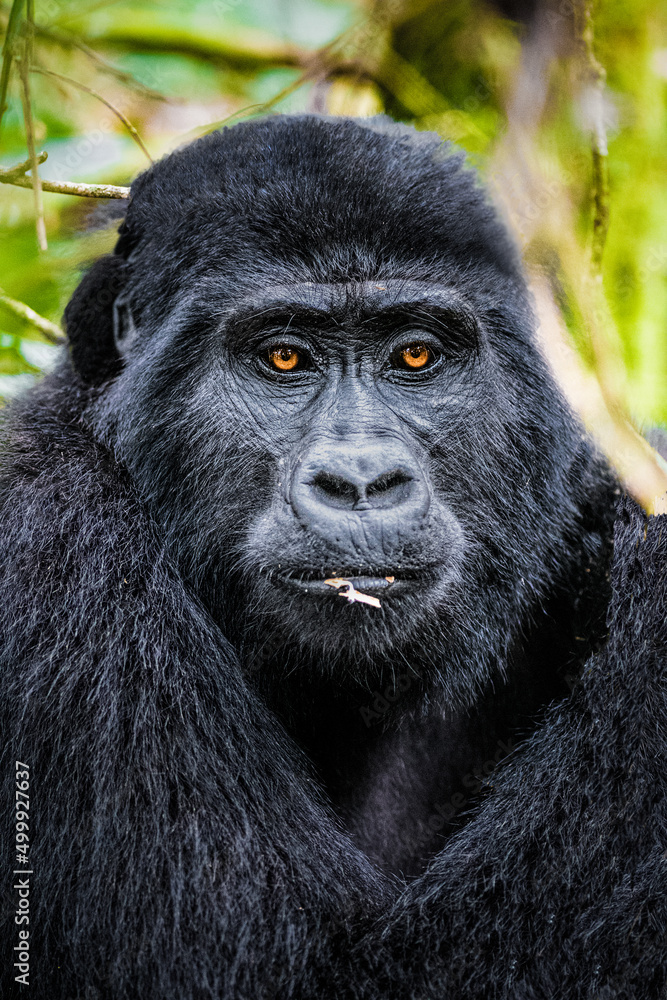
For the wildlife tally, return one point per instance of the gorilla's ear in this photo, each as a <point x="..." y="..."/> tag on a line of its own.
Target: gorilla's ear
<point x="89" y="320"/>
<point x="124" y="330"/>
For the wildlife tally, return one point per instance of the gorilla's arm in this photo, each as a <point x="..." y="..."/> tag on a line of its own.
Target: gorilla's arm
<point x="178" y="846"/>
<point x="558" y="888"/>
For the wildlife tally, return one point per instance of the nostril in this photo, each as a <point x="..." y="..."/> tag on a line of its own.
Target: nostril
<point x="387" y="490"/>
<point x="387" y="482"/>
<point x="335" y="489"/>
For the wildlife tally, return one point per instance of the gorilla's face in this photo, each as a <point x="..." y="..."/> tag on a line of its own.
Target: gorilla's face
<point x="370" y="432"/>
<point x="340" y="383"/>
<point x="311" y="393"/>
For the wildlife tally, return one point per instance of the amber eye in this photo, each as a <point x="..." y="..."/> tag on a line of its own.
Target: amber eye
<point x="415" y="356"/>
<point x="284" y="358"/>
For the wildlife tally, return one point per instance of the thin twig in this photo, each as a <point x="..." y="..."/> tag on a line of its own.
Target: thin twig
<point x="50" y="330"/>
<point x="93" y="93"/>
<point x="601" y="326"/>
<point x="30" y="32"/>
<point x="68" y="41"/>
<point x="10" y="173"/>
<point x="13" y="25"/>
<point x="597" y="76"/>
<point x="40" y="225"/>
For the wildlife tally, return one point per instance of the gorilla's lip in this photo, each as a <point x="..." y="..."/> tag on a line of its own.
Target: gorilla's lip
<point x="393" y="581"/>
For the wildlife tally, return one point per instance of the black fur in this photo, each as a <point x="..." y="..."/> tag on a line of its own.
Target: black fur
<point x="241" y="792"/>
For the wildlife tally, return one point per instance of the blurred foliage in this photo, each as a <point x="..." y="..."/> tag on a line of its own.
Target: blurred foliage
<point x="518" y="95"/>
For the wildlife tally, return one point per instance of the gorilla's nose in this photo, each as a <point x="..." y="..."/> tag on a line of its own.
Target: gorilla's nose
<point x="354" y="492"/>
<point x="378" y="481"/>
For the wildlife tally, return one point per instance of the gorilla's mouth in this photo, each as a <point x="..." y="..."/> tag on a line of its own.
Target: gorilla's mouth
<point x="376" y="583"/>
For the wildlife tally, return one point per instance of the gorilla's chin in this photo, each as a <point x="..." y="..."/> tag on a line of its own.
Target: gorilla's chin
<point x="351" y="627"/>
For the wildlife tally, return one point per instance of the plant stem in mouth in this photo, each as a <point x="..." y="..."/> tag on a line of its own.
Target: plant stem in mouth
<point x="346" y="589"/>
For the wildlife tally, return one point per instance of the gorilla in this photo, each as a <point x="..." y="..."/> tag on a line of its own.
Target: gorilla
<point x="333" y="659"/>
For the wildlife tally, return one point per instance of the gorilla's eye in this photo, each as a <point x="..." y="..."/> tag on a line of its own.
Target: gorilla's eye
<point x="413" y="357"/>
<point x="284" y="358"/>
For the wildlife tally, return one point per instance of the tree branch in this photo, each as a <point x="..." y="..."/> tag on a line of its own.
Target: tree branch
<point x="50" y="330"/>
<point x="16" y="176"/>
